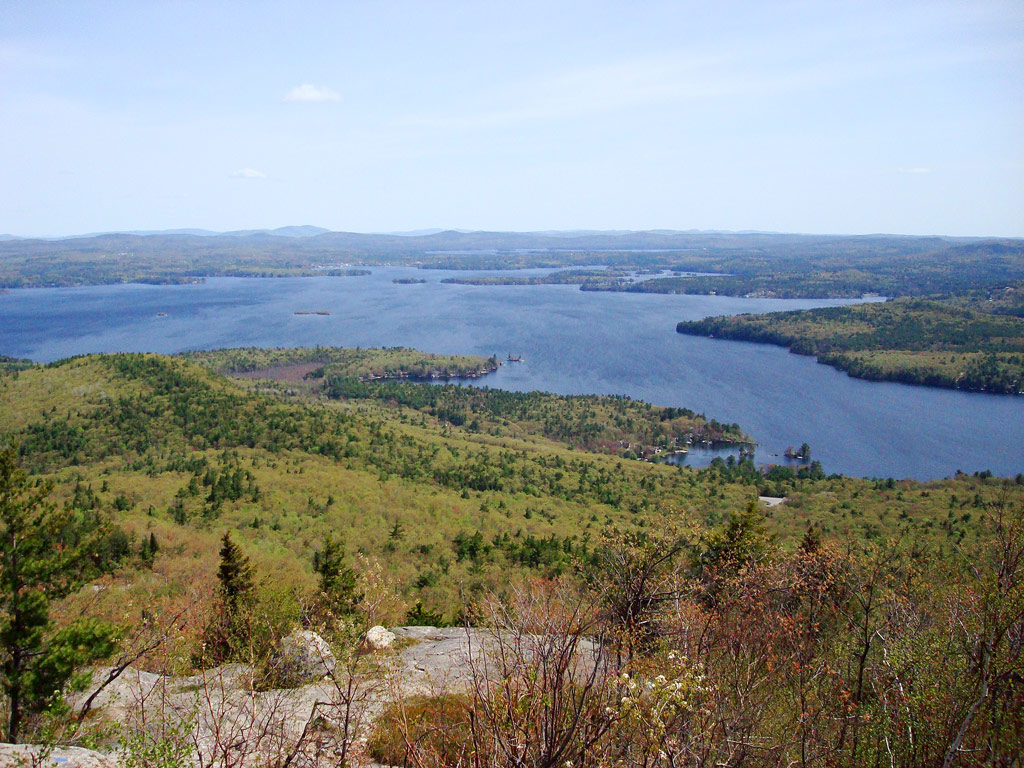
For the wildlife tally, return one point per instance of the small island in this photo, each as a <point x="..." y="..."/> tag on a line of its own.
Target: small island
<point x="346" y="272"/>
<point x="578" y="277"/>
<point x="311" y="312"/>
<point x="408" y="280"/>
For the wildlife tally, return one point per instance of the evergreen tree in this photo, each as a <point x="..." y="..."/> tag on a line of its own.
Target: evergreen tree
<point x="743" y="541"/>
<point x="234" y="574"/>
<point x="38" y="565"/>
<point x="229" y="631"/>
<point x="338" y="595"/>
<point x="149" y="549"/>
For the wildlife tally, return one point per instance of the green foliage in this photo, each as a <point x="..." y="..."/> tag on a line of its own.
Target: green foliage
<point x="338" y="594"/>
<point x="41" y="560"/>
<point x="229" y="634"/>
<point x="66" y="440"/>
<point x="149" y="549"/>
<point x="908" y="340"/>
<point x="408" y="730"/>
<point x="775" y="480"/>
<point x="996" y="300"/>
<point x="67" y="649"/>
<point x="12" y="365"/>
<point x="192" y="454"/>
<point x="382" y="363"/>
<point x="169" y="747"/>
<point x="786" y="642"/>
<point x="607" y="423"/>
<point x="817" y="656"/>
<point x="234" y="574"/>
<point x="743" y="541"/>
<point x="418" y="616"/>
<point x="582" y="277"/>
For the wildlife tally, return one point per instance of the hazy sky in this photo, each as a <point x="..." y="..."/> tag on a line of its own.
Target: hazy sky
<point x="849" y="117"/>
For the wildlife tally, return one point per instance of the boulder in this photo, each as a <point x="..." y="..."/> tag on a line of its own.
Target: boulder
<point x="378" y="638"/>
<point x="303" y="657"/>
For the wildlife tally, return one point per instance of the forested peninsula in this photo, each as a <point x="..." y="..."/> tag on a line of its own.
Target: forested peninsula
<point x="906" y="340"/>
<point x="362" y="364"/>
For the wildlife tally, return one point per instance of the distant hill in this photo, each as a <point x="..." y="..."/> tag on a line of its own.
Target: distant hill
<point x="415" y="232"/>
<point x="303" y="230"/>
<point x="750" y="263"/>
<point x="584" y="239"/>
<point x="137" y="232"/>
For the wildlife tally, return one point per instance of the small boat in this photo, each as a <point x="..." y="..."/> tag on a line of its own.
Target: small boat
<point x="161" y="314"/>
<point x="515" y="358"/>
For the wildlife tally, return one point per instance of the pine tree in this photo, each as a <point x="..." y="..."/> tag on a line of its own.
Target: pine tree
<point x="148" y="550"/>
<point x="229" y="631"/>
<point x="39" y="565"/>
<point x="235" y="573"/>
<point x="338" y="595"/>
<point x="743" y="541"/>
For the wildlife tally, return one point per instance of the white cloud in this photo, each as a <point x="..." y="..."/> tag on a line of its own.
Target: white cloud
<point x="312" y="93"/>
<point x="248" y="173"/>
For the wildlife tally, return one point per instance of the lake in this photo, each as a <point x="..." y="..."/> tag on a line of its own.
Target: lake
<point x="571" y="342"/>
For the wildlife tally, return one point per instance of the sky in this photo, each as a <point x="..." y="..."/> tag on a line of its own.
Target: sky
<point x="822" y="117"/>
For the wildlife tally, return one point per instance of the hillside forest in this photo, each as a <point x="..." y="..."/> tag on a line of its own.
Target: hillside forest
<point x="182" y="516"/>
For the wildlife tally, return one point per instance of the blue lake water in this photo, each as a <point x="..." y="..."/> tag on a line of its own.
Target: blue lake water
<point x="571" y="342"/>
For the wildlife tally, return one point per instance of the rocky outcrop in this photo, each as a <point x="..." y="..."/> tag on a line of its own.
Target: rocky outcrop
<point x="230" y="705"/>
<point x="438" y="660"/>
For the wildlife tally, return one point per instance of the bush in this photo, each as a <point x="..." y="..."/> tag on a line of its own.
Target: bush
<point x="422" y="730"/>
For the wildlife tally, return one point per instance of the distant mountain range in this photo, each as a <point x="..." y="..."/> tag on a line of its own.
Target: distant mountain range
<point x="551" y="238"/>
<point x="305" y="230"/>
<point x="302" y="230"/>
<point x="319" y="243"/>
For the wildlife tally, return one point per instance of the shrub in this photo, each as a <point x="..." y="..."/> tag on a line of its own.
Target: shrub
<point x="422" y="730"/>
